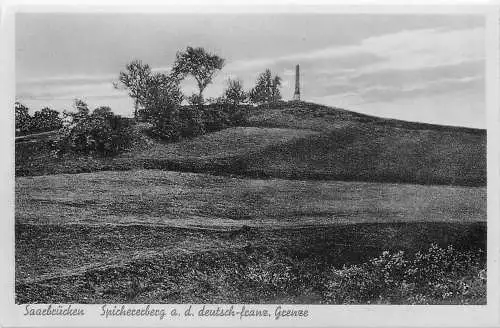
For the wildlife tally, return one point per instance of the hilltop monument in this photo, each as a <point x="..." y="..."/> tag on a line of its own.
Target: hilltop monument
<point x="296" y="95"/>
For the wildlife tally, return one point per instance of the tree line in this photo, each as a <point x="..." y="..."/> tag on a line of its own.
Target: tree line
<point x="158" y="96"/>
<point x="42" y="120"/>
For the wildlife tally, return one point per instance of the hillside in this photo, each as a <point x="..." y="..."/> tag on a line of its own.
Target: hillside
<point x="159" y="233"/>
<point x="301" y="140"/>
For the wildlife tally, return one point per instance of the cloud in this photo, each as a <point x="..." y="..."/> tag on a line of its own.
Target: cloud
<point x="400" y="79"/>
<point x="337" y="57"/>
<point x="408" y="49"/>
<point x="65" y="90"/>
<point x="442" y="86"/>
<point x="411" y="76"/>
<point x="65" y="80"/>
<point x="426" y="48"/>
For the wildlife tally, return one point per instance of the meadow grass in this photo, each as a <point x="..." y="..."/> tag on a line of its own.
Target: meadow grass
<point x="192" y="199"/>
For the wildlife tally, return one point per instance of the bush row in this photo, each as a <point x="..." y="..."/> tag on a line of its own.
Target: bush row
<point x="190" y="121"/>
<point x="103" y="134"/>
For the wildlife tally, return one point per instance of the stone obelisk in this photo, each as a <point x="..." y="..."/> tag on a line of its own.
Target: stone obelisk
<point x="296" y="95"/>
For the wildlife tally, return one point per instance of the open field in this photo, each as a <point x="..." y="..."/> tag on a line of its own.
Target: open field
<point x="202" y="200"/>
<point x="159" y="236"/>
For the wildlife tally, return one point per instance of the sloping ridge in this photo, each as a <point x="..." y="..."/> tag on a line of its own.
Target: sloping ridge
<point x="297" y="140"/>
<point x="300" y="140"/>
<point x="354" y="146"/>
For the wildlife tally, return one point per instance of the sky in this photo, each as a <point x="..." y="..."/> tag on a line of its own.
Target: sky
<point x="427" y="68"/>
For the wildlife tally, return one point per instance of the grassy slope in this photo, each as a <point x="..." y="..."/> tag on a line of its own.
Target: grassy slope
<point x="214" y="152"/>
<point x="301" y="141"/>
<point x="354" y="146"/>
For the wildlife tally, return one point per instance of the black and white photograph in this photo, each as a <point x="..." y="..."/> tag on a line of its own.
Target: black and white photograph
<point x="287" y="158"/>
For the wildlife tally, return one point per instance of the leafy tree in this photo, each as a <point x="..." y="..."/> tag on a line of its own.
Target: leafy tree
<point x="275" y="89"/>
<point x="136" y="79"/>
<point x="23" y="118"/>
<point x="45" y="120"/>
<point x="198" y="63"/>
<point x="234" y="92"/>
<point x="266" y="88"/>
<point x="161" y="105"/>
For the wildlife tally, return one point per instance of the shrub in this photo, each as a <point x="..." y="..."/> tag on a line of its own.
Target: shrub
<point x="45" y="120"/>
<point x="23" y="119"/>
<point x="215" y="118"/>
<point x="195" y="100"/>
<point x="191" y="121"/>
<point x="167" y="129"/>
<point x="436" y="275"/>
<point x="103" y="111"/>
<point x="234" y="93"/>
<point x="271" y="276"/>
<point x="101" y="133"/>
<point x="81" y="112"/>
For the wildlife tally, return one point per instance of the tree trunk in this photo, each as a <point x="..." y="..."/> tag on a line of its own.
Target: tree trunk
<point x="136" y="105"/>
<point x="200" y="99"/>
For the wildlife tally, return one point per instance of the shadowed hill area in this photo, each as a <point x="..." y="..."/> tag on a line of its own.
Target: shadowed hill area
<point x="355" y="146"/>
<point x="300" y="140"/>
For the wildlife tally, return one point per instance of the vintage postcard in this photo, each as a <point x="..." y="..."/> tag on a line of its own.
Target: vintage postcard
<point x="251" y="166"/>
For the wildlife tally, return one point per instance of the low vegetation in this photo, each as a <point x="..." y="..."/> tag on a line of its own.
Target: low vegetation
<point x="324" y="265"/>
<point x="432" y="276"/>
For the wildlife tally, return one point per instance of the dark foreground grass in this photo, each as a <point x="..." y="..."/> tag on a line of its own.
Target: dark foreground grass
<point x="336" y="264"/>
